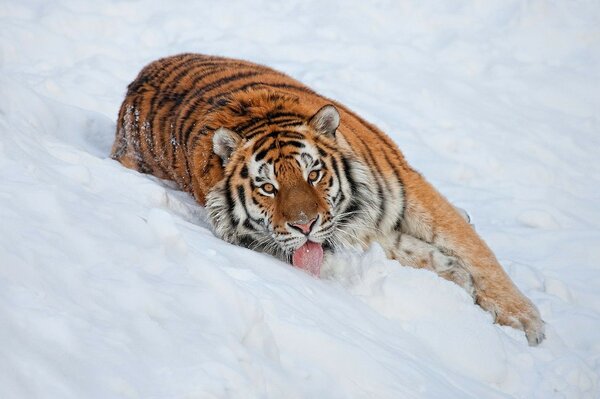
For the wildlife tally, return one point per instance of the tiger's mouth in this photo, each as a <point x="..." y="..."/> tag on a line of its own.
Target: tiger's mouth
<point x="309" y="257"/>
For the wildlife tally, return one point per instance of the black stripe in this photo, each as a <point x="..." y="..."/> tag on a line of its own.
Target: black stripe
<point x="261" y="155"/>
<point x="229" y="202"/>
<point x="353" y="207"/>
<point x="294" y="143"/>
<point x="225" y="80"/>
<point x="249" y="219"/>
<point x="241" y="194"/>
<point x="294" y="135"/>
<point x="249" y="123"/>
<point x="327" y="229"/>
<point x="280" y="114"/>
<point x="242" y="200"/>
<point x="398" y="224"/>
<point x="301" y="88"/>
<point x="291" y="123"/>
<point x="259" y="143"/>
<point x="340" y="196"/>
<point x="400" y="182"/>
<point x="248" y="128"/>
<point x="186" y="133"/>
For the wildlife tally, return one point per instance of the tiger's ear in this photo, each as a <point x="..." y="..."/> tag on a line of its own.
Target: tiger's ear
<point x="326" y="120"/>
<point x="225" y="141"/>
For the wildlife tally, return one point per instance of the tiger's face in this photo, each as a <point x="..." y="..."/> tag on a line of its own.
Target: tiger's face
<point x="284" y="190"/>
<point x="289" y="185"/>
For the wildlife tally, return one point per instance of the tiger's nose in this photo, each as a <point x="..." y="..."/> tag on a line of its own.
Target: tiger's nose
<point x="304" y="228"/>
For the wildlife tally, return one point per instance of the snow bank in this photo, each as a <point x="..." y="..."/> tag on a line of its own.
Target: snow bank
<point x="112" y="284"/>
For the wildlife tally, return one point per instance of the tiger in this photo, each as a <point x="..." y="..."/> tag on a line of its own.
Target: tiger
<point x="283" y="170"/>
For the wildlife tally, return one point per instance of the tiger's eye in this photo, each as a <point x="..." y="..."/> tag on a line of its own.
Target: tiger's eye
<point x="313" y="176"/>
<point x="268" y="188"/>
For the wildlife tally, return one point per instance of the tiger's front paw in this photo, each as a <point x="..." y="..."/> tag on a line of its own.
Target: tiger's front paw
<point x="519" y="313"/>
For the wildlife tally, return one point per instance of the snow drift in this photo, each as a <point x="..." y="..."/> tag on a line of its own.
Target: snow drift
<point x="113" y="285"/>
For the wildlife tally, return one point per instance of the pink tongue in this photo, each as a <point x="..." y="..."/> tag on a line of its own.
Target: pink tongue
<point x="309" y="257"/>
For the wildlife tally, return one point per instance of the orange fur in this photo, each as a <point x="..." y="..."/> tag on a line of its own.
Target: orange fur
<point x="172" y="109"/>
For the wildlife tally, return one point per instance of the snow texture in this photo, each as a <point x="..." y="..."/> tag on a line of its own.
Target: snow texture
<point x="112" y="284"/>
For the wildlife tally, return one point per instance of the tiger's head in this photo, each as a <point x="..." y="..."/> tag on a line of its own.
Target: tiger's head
<point x="289" y="191"/>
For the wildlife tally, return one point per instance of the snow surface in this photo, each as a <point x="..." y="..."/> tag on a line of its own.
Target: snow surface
<point x="113" y="285"/>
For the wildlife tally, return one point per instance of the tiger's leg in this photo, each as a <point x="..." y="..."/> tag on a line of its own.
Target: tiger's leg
<point x="411" y="251"/>
<point x="125" y="156"/>
<point x="127" y="134"/>
<point x="132" y="128"/>
<point x="430" y="217"/>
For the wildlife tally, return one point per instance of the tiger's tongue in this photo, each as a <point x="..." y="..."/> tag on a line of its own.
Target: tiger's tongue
<point x="309" y="257"/>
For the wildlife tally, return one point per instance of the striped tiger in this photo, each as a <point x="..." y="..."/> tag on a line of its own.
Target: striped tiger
<point x="286" y="171"/>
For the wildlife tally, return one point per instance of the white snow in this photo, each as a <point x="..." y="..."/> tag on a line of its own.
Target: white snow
<point x="113" y="285"/>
